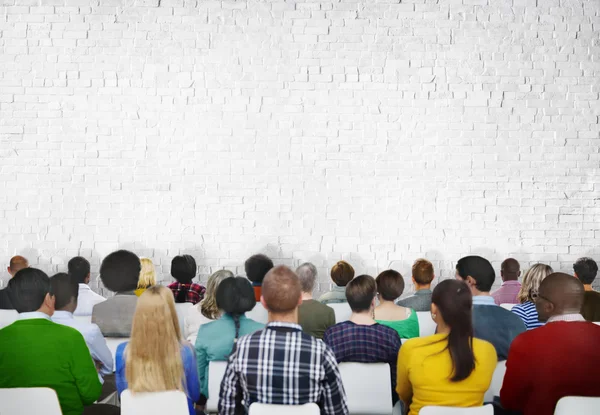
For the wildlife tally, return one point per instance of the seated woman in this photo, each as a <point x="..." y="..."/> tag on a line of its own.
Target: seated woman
<point x="147" y="276"/>
<point x="156" y="359"/>
<point x="183" y="269"/>
<point x="531" y="284"/>
<point x="390" y="286"/>
<point x="341" y="274"/>
<point x="216" y="340"/>
<point x="206" y="310"/>
<point x="450" y="368"/>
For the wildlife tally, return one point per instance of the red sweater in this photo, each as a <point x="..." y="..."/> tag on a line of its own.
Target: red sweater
<point x="545" y="364"/>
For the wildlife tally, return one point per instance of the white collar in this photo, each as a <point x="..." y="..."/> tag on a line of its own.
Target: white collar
<point x="33" y="314"/>
<point x="84" y="286"/>
<point x="62" y="314"/>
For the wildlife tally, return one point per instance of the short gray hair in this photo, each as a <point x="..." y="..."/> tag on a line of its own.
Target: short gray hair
<point x="307" y="274"/>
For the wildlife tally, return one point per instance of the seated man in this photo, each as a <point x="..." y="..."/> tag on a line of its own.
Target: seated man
<point x="16" y="264"/>
<point x="422" y="276"/>
<point x="361" y="339"/>
<point x="313" y="316"/>
<point x="510" y="271"/>
<point x="79" y="270"/>
<point x="119" y="273"/>
<point x="586" y="270"/>
<point x="490" y="321"/>
<point x="35" y="352"/>
<point x="556" y="360"/>
<point x="280" y="364"/>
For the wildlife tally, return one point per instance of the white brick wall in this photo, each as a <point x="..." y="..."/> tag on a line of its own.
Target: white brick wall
<point x="374" y="131"/>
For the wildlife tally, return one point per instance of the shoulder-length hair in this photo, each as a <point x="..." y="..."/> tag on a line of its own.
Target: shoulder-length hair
<point x="147" y="276"/>
<point x="208" y="306"/>
<point x="532" y="280"/>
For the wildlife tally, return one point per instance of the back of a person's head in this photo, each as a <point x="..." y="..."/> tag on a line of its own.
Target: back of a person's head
<point x="153" y="359"/>
<point x="422" y="271"/>
<point x="510" y="269"/>
<point x="342" y="273"/>
<point x="27" y="290"/>
<point x="147" y="276"/>
<point x="257" y="266"/>
<point x="65" y="290"/>
<point x="79" y="269"/>
<point x="531" y="281"/>
<point x="390" y="284"/>
<point x="17" y="263"/>
<point x="208" y="306"/>
<point x="559" y="293"/>
<point x="453" y="300"/>
<point x="478" y="268"/>
<point x="183" y="268"/>
<point x="120" y="271"/>
<point x="307" y="273"/>
<point x="586" y="270"/>
<point x="235" y="296"/>
<point x="281" y="290"/>
<point x="360" y="293"/>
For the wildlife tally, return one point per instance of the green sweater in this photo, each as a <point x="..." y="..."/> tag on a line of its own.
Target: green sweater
<point x="40" y="353"/>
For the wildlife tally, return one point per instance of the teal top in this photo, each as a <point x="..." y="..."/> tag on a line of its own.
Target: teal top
<point x="407" y="328"/>
<point x="215" y="342"/>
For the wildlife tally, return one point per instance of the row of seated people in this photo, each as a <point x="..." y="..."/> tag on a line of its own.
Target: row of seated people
<point x="452" y="368"/>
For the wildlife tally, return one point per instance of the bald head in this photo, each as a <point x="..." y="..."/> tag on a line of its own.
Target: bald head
<point x="281" y="291"/>
<point x="17" y="263"/>
<point x="559" y="294"/>
<point x="510" y="270"/>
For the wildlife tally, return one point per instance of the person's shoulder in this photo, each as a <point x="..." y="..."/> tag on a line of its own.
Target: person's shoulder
<point x="172" y="285"/>
<point x="483" y="347"/>
<point x="592" y="295"/>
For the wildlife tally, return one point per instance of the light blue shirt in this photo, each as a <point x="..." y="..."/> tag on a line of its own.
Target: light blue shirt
<point x="484" y="300"/>
<point x="33" y="314"/>
<point x="93" y="338"/>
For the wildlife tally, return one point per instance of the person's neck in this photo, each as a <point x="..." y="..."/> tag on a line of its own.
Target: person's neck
<point x="290" y="317"/>
<point x="307" y="296"/>
<point x="477" y="293"/>
<point x="588" y="287"/>
<point x="419" y="287"/>
<point x="510" y="279"/>
<point x="364" y="318"/>
<point x="47" y="311"/>
<point x="442" y="328"/>
<point x="385" y="303"/>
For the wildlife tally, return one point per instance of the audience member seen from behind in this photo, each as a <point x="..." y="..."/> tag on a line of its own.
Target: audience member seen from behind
<point x="79" y="270"/>
<point x="16" y="264"/>
<point x="390" y="285"/>
<point x="490" y="321"/>
<point x="557" y="360"/>
<point x="147" y="276"/>
<point x="341" y="274"/>
<point x="119" y="273"/>
<point x="278" y="353"/>
<point x="256" y="268"/>
<point x="313" y="316"/>
<point x="361" y="339"/>
<point x="206" y="310"/>
<point x="531" y="283"/>
<point x="183" y="269"/>
<point x="216" y="340"/>
<point x="450" y="368"/>
<point x="422" y="276"/>
<point x="510" y="271"/>
<point x="586" y="270"/>
<point x="157" y="359"/>
<point x="35" y="352"/>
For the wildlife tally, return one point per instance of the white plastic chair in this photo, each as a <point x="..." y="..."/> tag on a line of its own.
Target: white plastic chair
<point x="427" y="326"/>
<point x="507" y="306"/>
<point x="154" y="403"/>
<point x="259" y="314"/>
<point x="182" y="310"/>
<point x="264" y="409"/>
<point x="7" y="317"/>
<point x="496" y="385"/>
<point x="216" y="371"/>
<point x="342" y="311"/>
<point x="19" y="401"/>
<point x="373" y="396"/>
<point x="580" y="405"/>
<point x="113" y="343"/>
<point x="83" y="319"/>
<point x="450" y="410"/>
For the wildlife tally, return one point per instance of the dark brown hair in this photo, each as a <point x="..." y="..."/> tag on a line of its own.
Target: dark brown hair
<point x="422" y="271"/>
<point x="390" y="284"/>
<point x="342" y="273"/>
<point x="360" y="293"/>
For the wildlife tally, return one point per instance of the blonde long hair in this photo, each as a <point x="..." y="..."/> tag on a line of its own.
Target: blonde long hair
<point x="147" y="276"/>
<point x="532" y="280"/>
<point x="208" y="306"/>
<point x="153" y="358"/>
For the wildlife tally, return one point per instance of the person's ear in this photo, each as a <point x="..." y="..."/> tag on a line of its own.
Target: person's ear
<point x="50" y="302"/>
<point x="471" y="281"/>
<point x="8" y="270"/>
<point x="374" y="302"/>
<point x="300" y="300"/>
<point x="434" y="312"/>
<point x="264" y="304"/>
<point x="87" y="279"/>
<point x="413" y="280"/>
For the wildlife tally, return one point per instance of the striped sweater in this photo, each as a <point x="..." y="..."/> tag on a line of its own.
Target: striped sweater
<point x="528" y="314"/>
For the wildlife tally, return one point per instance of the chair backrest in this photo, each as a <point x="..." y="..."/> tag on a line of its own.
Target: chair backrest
<point x="7" y="317"/>
<point x="496" y="385"/>
<point x="507" y="306"/>
<point x="427" y="326"/>
<point x="264" y="409"/>
<point x="368" y="387"/>
<point x="113" y="343"/>
<point x="83" y="319"/>
<point x="580" y="405"/>
<point x="154" y="403"/>
<point x="182" y="310"/>
<point x="342" y="311"/>
<point x="19" y="401"/>
<point x="258" y="314"/>
<point x="216" y="371"/>
<point x="449" y="410"/>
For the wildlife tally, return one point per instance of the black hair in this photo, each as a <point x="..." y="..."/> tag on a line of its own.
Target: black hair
<point x="586" y="270"/>
<point x="28" y="288"/>
<point x="183" y="269"/>
<point x="454" y="301"/>
<point x="479" y="269"/>
<point x="64" y="287"/>
<point x="360" y="293"/>
<point x="79" y="269"/>
<point x="257" y="267"/>
<point x="235" y="296"/>
<point x="120" y="271"/>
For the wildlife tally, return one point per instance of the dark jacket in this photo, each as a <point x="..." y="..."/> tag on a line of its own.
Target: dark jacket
<point x="498" y="326"/>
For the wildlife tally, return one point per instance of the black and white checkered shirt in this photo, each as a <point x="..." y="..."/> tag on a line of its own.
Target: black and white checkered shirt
<point x="284" y="366"/>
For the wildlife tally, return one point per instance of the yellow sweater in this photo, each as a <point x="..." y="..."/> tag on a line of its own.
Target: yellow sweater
<point x="424" y="374"/>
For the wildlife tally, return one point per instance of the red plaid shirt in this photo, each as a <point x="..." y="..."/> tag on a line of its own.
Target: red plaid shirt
<point x="194" y="292"/>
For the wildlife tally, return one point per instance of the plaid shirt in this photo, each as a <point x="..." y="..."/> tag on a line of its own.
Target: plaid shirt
<point x="194" y="292"/>
<point x="282" y="365"/>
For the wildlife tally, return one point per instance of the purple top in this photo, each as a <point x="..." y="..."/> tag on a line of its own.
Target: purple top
<point x="507" y="293"/>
